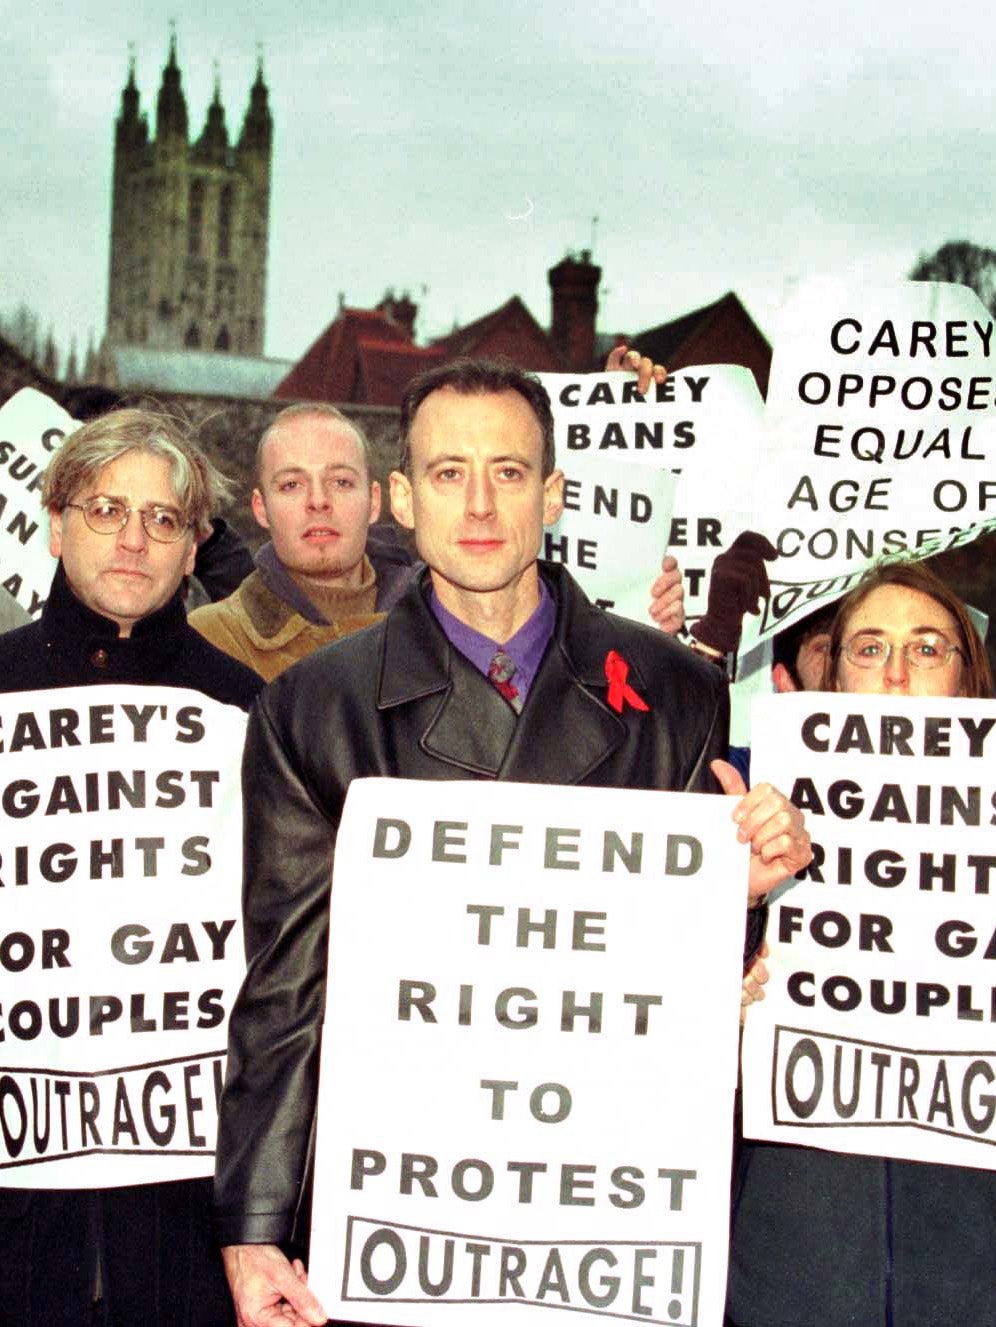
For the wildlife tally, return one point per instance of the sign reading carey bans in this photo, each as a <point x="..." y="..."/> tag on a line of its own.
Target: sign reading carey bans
<point x="623" y="453"/>
<point x="878" y="1031"/>
<point x="120" y="934"/>
<point x="529" y="1054"/>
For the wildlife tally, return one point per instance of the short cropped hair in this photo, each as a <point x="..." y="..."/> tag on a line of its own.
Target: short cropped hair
<point x="199" y="487"/>
<point x="912" y="575"/>
<point x="478" y="377"/>
<point x="786" y="645"/>
<point x="322" y="410"/>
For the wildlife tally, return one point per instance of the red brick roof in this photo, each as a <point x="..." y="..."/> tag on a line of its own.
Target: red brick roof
<point x="510" y="330"/>
<point x="361" y="357"/>
<point x="719" y="333"/>
<point x="366" y="359"/>
<point x="386" y="368"/>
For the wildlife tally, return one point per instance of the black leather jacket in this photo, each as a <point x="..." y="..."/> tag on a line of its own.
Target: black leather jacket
<point x="397" y="700"/>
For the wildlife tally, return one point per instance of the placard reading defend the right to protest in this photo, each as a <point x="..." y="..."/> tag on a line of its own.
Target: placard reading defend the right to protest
<point x="529" y="1055"/>
<point x="877" y="1034"/>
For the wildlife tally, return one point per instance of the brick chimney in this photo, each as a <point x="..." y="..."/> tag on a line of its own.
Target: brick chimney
<point x="573" y="309"/>
<point x="402" y="312"/>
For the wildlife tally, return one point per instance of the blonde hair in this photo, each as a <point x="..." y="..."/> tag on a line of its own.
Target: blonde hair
<point x="200" y="488"/>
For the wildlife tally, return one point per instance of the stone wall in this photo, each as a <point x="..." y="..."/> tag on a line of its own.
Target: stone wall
<point x="229" y="428"/>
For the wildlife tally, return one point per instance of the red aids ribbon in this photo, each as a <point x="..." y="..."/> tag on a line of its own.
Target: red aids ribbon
<point x="620" y="693"/>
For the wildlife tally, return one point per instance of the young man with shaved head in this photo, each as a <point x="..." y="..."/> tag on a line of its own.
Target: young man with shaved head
<point x="323" y="574"/>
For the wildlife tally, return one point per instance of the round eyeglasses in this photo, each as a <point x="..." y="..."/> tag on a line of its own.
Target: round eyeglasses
<point x="108" y="516"/>
<point x="932" y="649"/>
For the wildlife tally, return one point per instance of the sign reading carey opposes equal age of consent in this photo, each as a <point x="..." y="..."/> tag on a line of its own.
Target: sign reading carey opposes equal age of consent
<point x="529" y="1054"/>
<point x="121" y="940"/>
<point x="32" y="426"/>
<point x="879" y="435"/>
<point x="618" y="450"/>
<point x="877" y="1034"/>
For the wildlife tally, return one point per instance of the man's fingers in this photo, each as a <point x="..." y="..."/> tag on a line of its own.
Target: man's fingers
<point x="730" y="779"/>
<point x="776" y="831"/>
<point x="647" y="372"/>
<point x="668" y="611"/>
<point x="267" y="1289"/>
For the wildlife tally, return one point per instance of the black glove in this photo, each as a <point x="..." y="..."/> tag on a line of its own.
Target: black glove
<point x="738" y="583"/>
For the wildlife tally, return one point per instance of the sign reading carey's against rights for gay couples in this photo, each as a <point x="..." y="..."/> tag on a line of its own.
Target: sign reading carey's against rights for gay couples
<point x="877" y="1034"/>
<point x="529" y="1054"/>
<point x="120" y="935"/>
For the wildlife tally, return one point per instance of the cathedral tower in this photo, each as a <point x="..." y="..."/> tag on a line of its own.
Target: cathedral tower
<point x="189" y="223"/>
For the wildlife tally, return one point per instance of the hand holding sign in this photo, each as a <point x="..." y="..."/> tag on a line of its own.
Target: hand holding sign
<point x="647" y="372"/>
<point x="774" y="828"/>
<point x="667" y="597"/>
<point x="267" y="1289"/>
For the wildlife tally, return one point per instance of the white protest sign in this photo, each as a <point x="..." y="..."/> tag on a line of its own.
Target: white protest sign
<point x="529" y="1054"/>
<point x="879" y="437"/>
<point x="32" y="426"/>
<point x="877" y="1034"/>
<point x="121" y="939"/>
<point x="701" y="425"/>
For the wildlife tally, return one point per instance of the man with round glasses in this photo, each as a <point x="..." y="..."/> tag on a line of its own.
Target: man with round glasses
<point x="117" y="524"/>
<point x="110" y="516"/>
<point x="126" y="495"/>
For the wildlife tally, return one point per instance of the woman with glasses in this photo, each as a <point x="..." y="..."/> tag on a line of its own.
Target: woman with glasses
<point x="902" y="632"/>
<point x="826" y="1239"/>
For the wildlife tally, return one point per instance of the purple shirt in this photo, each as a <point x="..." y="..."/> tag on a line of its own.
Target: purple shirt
<point x="525" y="649"/>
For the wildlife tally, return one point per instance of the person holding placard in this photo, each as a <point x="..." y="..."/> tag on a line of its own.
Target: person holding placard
<point x="826" y="1239"/>
<point x="492" y="666"/>
<point x="125" y="494"/>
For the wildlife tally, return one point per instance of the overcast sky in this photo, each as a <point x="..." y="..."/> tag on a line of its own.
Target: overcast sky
<point x="459" y="150"/>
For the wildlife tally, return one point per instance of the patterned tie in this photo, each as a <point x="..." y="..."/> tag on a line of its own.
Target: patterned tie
<point x="501" y="670"/>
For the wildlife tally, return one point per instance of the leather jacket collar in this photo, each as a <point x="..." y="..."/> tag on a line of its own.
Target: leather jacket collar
<point x="473" y="727"/>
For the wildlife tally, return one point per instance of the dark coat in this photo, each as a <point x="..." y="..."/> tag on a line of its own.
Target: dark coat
<point x="72" y="646"/>
<point x="398" y="700"/>
<point x="822" y="1239"/>
<point x="152" y="1243"/>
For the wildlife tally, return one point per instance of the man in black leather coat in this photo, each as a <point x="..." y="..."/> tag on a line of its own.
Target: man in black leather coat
<point x="476" y="483"/>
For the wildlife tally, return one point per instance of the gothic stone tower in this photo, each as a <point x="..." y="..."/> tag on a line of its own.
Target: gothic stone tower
<point x="189" y="224"/>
